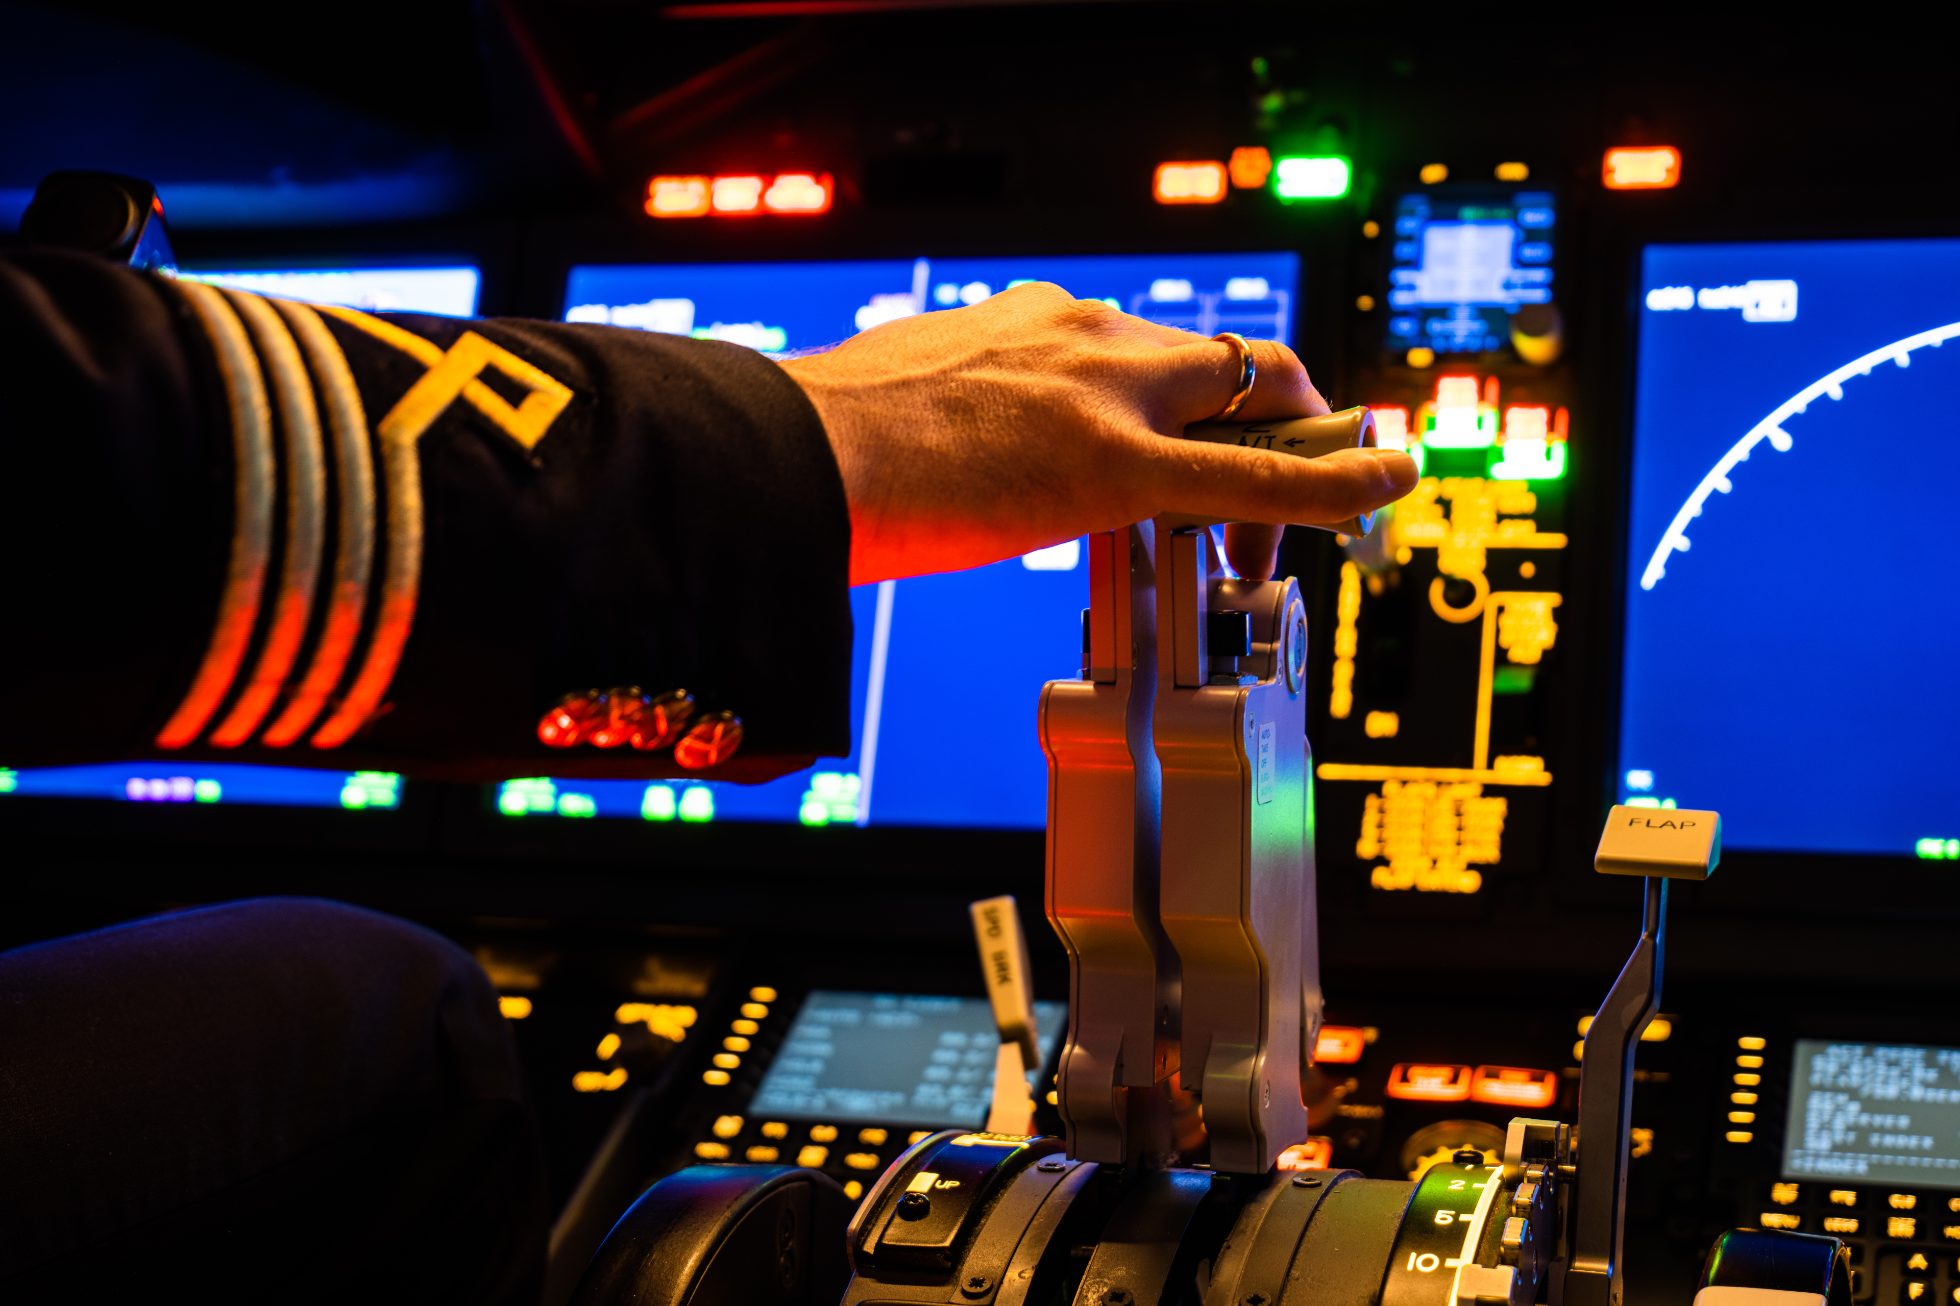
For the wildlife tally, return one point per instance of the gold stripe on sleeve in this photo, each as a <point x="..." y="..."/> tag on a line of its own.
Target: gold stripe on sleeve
<point x="353" y="474"/>
<point x="306" y="510"/>
<point x="251" y="537"/>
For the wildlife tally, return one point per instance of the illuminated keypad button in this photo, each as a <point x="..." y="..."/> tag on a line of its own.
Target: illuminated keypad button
<point x="1950" y="1232"/>
<point x="1917" y="1263"/>
<point x="1419" y="1082"/>
<point x="873" y="1137"/>
<point x="1785" y="1194"/>
<point x="1841" y="1224"/>
<point x="813" y="1156"/>
<point x="1906" y="1227"/>
<point x="763" y="1154"/>
<point x="1914" y="1290"/>
<point x="774" y="1129"/>
<point x="1953" y="1205"/>
<point x="863" y="1161"/>
<point x="853" y="1189"/>
<point x="823" y="1133"/>
<point x="711" y="1151"/>
<point x="1843" y="1196"/>
<point x="727" y="1126"/>
<point x="1789" y="1221"/>
<point x="1902" y="1201"/>
<point x="917" y="1134"/>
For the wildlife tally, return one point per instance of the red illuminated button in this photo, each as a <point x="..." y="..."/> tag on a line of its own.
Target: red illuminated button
<point x="712" y="741"/>
<point x="1413" y="1082"/>
<point x="1636" y="167"/>
<point x="1314" y="1154"/>
<point x="799" y="192"/>
<point x="1514" y="1086"/>
<point x="1339" y="1045"/>
<point x="574" y="717"/>
<point x="1250" y="166"/>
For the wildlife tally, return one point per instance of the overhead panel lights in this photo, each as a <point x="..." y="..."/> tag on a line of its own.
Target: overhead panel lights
<point x="739" y="195"/>
<point x="1311" y="177"/>
<point x="1250" y="166"/>
<point x="1643" y="167"/>
<point x="1513" y="172"/>
<point x="1201" y="182"/>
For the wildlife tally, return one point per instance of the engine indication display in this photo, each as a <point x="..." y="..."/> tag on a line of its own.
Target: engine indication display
<point x="1877" y="1112"/>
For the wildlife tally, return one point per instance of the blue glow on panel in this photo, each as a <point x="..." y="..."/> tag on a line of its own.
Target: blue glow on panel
<point x="207" y="783"/>
<point x="944" y="731"/>
<point x="451" y="291"/>
<point x="1792" y="649"/>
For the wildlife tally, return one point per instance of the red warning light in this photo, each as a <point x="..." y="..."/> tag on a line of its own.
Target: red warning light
<point x="1643" y="167"/>
<point x="1426" y="1083"/>
<point x="1250" y="166"/>
<point x="799" y="192"/>
<point x="677" y="197"/>
<point x="735" y="195"/>
<point x="1189" y="183"/>
<point x="1339" y="1045"/>
<point x="1517" y="1086"/>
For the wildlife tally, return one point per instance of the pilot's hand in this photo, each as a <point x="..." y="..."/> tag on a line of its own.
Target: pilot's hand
<point x="980" y="433"/>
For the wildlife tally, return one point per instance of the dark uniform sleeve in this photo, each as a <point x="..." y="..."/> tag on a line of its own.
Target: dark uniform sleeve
<point x="248" y="530"/>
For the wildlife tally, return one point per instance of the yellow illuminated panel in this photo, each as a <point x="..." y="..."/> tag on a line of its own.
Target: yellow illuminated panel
<point x="1434" y="174"/>
<point x="1840" y="1224"/>
<point x="863" y="1161"/>
<point x="1780" y="1220"/>
<point x="1658" y="1030"/>
<point x="823" y="1133"/>
<point x="746" y="1027"/>
<point x="812" y="1155"/>
<point x="1740" y="1136"/>
<point x="1749" y="1061"/>
<point x="763" y="1154"/>
<point x="663" y="1019"/>
<point x="918" y="1134"/>
<point x="727" y="1060"/>
<point x="714" y="1078"/>
<point x="608" y="1046"/>
<point x="711" y="1151"/>
<point x="762" y="993"/>
<point x="513" y="1006"/>
<point x="735" y="1043"/>
<point x="1347" y="609"/>
<point x="1902" y="1226"/>
<point x="774" y="1129"/>
<point x="755" y="1010"/>
<point x="1748" y="1079"/>
<point x="727" y="1126"/>
<point x="1742" y="1117"/>
<point x="1902" y="1201"/>
<point x="1751" y="1044"/>
<point x="873" y="1137"/>
<point x="1844" y="1197"/>
<point x="1784" y="1194"/>
<point x="854" y="1189"/>
<point x="1741" y="1098"/>
<point x="1437" y="828"/>
<point x="599" y="1081"/>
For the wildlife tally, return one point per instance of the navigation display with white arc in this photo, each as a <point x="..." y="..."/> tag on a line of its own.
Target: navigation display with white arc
<point x="1792" y="618"/>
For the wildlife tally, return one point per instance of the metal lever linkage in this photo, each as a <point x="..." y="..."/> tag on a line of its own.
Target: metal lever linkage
<point x="1180" y="868"/>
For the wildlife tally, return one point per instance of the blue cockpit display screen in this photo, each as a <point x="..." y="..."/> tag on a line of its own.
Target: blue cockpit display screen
<point x="1792" y="645"/>
<point x="947" y="669"/>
